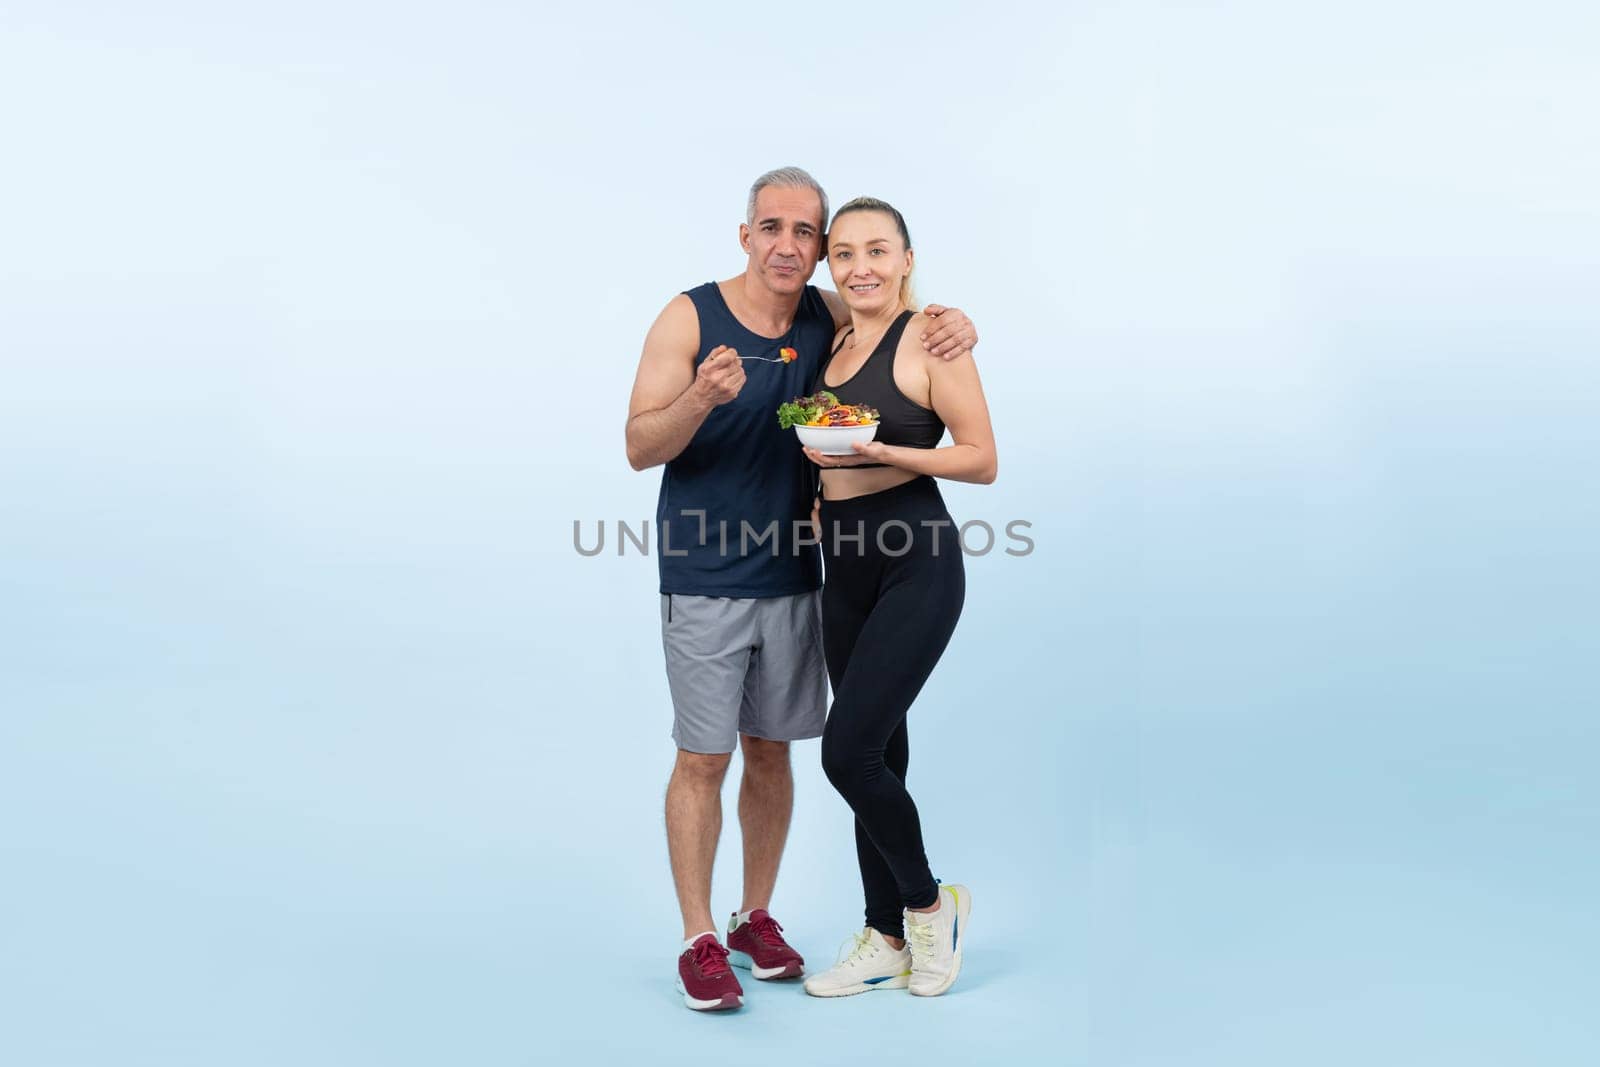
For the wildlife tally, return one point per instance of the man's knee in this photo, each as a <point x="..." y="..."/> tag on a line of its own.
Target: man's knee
<point x="763" y="758"/>
<point x="702" y="768"/>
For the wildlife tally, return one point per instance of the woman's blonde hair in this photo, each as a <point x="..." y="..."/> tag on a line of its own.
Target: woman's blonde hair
<point x="871" y="203"/>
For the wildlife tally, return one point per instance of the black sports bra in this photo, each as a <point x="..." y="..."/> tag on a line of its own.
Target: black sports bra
<point x="901" y="420"/>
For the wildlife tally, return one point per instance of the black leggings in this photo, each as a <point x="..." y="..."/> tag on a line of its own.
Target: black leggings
<point x="886" y="618"/>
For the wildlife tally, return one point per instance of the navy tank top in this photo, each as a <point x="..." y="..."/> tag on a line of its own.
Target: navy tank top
<point x="729" y="501"/>
<point x="901" y="420"/>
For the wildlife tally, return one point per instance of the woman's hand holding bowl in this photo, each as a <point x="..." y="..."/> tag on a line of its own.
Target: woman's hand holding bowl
<point x="866" y="452"/>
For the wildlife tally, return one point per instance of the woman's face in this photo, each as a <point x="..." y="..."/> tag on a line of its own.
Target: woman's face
<point x="867" y="259"/>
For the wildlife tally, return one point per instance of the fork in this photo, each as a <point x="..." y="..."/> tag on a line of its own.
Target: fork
<point x="769" y="359"/>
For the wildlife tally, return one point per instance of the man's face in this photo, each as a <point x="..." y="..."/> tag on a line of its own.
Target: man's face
<point x="785" y="239"/>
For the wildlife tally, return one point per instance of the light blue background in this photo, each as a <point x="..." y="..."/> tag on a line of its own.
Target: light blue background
<point x="321" y="745"/>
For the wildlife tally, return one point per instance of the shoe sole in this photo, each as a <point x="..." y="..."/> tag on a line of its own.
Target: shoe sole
<point x="899" y="981"/>
<point x="963" y="909"/>
<point x="727" y="1003"/>
<point x="764" y="974"/>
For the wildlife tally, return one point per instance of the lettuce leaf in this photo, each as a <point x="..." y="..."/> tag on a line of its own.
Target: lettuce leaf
<point x="802" y="409"/>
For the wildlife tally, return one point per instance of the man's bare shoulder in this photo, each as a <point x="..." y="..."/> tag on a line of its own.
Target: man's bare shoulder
<point x="680" y="309"/>
<point x="676" y="330"/>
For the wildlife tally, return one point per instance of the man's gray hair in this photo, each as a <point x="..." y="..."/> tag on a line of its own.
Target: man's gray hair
<point x="786" y="178"/>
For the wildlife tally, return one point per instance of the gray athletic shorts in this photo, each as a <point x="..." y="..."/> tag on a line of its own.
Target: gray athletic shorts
<point x="744" y="666"/>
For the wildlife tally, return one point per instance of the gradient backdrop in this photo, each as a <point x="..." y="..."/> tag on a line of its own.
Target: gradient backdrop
<point x="319" y="743"/>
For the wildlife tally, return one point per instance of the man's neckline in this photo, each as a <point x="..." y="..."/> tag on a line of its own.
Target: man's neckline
<point x="728" y="306"/>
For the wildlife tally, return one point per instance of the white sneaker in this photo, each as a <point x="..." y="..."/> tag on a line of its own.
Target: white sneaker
<point x="935" y="939"/>
<point x="866" y="965"/>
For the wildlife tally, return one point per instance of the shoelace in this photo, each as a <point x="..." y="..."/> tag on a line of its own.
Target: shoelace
<point x="857" y="948"/>
<point x="767" y="929"/>
<point x="920" y="937"/>
<point x="710" y="958"/>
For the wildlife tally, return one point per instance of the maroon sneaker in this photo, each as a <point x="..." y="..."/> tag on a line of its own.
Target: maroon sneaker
<point x="759" y="945"/>
<point x="704" y="978"/>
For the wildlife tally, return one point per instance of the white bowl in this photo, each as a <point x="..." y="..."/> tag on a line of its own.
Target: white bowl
<point x="835" y="440"/>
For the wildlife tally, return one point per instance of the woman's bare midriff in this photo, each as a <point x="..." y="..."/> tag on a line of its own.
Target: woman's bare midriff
<point x="842" y="483"/>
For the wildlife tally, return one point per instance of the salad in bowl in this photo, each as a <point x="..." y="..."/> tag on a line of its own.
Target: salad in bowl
<point x="823" y="423"/>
